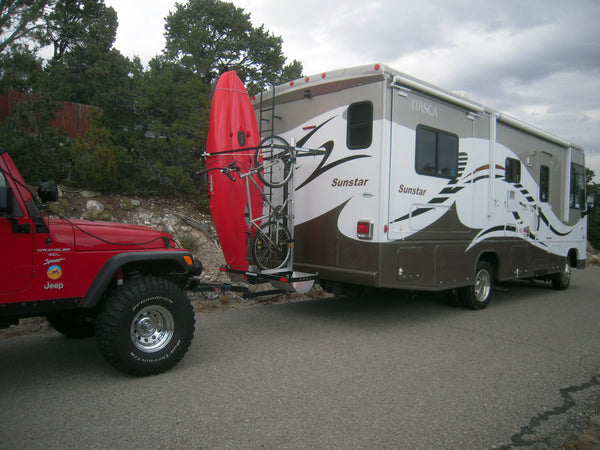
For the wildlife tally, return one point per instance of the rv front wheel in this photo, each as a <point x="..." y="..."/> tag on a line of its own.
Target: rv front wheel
<point x="477" y="296"/>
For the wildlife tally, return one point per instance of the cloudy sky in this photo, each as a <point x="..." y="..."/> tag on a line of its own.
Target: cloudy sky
<point x="538" y="60"/>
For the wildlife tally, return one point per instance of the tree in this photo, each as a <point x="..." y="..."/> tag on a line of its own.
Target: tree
<point x="85" y="68"/>
<point x="209" y="37"/>
<point x="594" y="216"/>
<point x="21" y="21"/>
<point x="81" y="23"/>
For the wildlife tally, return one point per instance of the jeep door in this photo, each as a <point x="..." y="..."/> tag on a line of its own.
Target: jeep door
<point x="16" y="235"/>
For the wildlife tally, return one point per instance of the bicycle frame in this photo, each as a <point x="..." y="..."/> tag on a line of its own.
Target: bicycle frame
<point x="280" y="215"/>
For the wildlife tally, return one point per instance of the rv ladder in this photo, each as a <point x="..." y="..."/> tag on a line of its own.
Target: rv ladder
<point x="267" y="114"/>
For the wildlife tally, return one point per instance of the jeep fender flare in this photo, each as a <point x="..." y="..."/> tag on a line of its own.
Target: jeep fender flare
<point x="109" y="271"/>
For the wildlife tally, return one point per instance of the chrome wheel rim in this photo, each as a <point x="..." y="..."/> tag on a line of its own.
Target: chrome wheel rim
<point x="566" y="274"/>
<point x="152" y="328"/>
<point x="483" y="285"/>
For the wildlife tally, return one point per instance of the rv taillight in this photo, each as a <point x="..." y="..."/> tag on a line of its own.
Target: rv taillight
<point x="364" y="229"/>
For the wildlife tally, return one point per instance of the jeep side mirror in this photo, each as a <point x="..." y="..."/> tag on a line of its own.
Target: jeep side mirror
<point x="5" y="200"/>
<point x="48" y="192"/>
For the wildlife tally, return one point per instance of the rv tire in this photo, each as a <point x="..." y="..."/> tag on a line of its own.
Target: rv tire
<point x="477" y="295"/>
<point x="561" y="281"/>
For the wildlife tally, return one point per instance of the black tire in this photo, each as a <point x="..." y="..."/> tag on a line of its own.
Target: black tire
<point x="561" y="281"/>
<point x="145" y="326"/>
<point x="271" y="246"/>
<point x="477" y="296"/>
<point x="72" y="324"/>
<point x="275" y="150"/>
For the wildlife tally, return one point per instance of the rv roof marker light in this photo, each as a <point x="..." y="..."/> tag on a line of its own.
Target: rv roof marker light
<point x="291" y="83"/>
<point x="323" y="75"/>
<point x="364" y="229"/>
<point x="376" y="67"/>
<point x="306" y="79"/>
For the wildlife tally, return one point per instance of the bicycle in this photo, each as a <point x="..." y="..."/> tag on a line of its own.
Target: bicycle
<point x="270" y="238"/>
<point x="273" y="164"/>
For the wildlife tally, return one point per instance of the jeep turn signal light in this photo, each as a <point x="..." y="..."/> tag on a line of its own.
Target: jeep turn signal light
<point x="188" y="260"/>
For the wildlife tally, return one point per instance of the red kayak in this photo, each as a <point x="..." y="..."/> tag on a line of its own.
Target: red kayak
<point x="232" y="138"/>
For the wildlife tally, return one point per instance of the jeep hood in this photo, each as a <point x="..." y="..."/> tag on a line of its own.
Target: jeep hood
<point x="103" y="236"/>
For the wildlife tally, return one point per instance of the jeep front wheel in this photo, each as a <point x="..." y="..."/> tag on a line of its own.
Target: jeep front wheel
<point x="145" y="326"/>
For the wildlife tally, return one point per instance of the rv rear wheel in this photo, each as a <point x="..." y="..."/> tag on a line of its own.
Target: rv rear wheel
<point x="561" y="281"/>
<point x="477" y="296"/>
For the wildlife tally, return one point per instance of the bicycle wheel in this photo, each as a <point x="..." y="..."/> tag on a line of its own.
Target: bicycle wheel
<point x="271" y="246"/>
<point x="274" y="158"/>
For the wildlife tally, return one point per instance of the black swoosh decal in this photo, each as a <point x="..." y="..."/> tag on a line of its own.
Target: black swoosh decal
<point x="328" y="146"/>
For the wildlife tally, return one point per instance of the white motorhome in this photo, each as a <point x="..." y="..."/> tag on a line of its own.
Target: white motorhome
<point x="423" y="189"/>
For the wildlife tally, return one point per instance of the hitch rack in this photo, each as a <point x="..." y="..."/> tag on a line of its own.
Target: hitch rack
<point x="284" y="280"/>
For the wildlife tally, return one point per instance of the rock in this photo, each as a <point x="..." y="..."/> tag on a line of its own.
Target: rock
<point x="88" y="194"/>
<point x="94" y="205"/>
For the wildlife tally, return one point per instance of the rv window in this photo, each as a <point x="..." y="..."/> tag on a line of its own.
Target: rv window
<point x="544" y="183"/>
<point x="436" y="152"/>
<point x="512" y="172"/>
<point x="577" y="193"/>
<point x="360" y="125"/>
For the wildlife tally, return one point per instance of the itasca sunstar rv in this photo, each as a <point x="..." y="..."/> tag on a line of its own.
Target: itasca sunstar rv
<point x="420" y="188"/>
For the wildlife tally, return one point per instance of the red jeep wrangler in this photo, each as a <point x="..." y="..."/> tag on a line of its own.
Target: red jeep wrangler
<point x="123" y="283"/>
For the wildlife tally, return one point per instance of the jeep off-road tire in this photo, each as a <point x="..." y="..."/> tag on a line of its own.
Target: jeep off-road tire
<point x="145" y="326"/>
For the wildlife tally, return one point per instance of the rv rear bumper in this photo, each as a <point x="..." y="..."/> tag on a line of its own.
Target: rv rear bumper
<point x="340" y="274"/>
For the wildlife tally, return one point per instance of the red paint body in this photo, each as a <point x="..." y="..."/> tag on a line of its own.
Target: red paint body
<point x="232" y="127"/>
<point x="48" y="260"/>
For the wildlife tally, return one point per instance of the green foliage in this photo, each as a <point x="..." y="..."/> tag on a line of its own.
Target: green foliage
<point x="93" y="160"/>
<point x="21" y="22"/>
<point x="149" y="126"/>
<point x="209" y="37"/>
<point x="20" y="70"/>
<point x="78" y="24"/>
<point x="594" y="215"/>
<point x="35" y="146"/>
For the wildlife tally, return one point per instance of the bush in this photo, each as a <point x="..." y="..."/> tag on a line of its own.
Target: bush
<point x="93" y="161"/>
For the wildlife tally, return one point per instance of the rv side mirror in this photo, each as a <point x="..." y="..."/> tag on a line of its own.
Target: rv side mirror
<point x="48" y="192"/>
<point x="591" y="200"/>
<point x="590" y="203"/>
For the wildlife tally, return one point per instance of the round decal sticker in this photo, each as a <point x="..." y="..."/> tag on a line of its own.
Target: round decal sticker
<point x="54" y="272"/>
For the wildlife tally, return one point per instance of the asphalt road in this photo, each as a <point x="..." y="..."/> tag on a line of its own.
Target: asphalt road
<point x="378" y="371"/>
